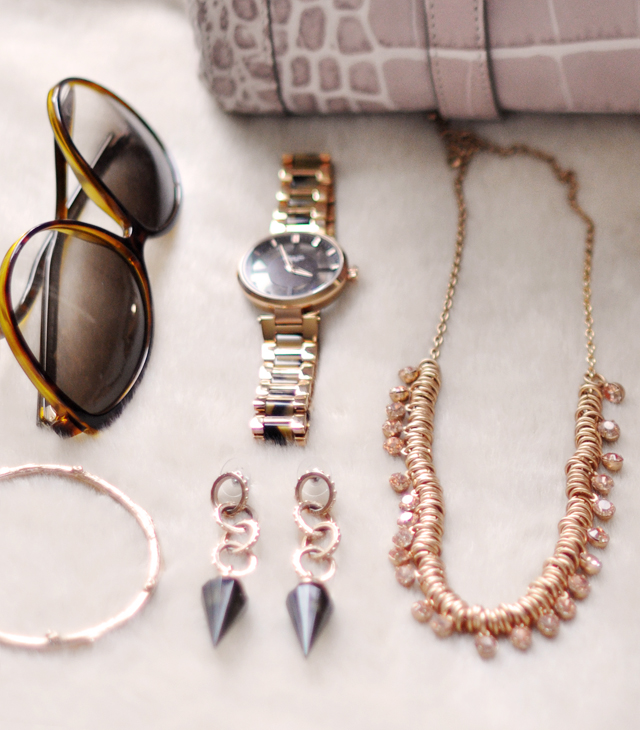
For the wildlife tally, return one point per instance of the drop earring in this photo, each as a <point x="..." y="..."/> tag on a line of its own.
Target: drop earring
<point x="224" y="597"/>
<point x="309" y="604"/>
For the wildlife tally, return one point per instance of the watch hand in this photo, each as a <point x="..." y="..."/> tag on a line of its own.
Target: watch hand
<point x="289" y="267"/>
<point x="287" y="264"/>
<point x="300" y="272"/>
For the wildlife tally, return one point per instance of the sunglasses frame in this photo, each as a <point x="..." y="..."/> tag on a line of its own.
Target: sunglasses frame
<point x="68" y="418"/>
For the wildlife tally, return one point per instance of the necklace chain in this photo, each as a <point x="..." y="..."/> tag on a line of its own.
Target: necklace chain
<point x="409" y="432"/>
<point x="461" y="147"/>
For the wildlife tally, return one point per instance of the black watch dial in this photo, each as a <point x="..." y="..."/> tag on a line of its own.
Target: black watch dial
<point x="292" y="265"/>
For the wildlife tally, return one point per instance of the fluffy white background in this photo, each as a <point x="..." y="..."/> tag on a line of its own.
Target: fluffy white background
<point x="512" y="366"/>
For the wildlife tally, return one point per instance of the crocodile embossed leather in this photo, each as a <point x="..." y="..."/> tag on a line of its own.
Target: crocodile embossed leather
<point x="463" y="58"/>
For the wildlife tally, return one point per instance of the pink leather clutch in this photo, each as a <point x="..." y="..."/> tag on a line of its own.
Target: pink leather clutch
<point x="465" y="58"/>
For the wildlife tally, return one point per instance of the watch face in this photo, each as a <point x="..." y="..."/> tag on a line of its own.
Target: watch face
<point x="290" y="266"/>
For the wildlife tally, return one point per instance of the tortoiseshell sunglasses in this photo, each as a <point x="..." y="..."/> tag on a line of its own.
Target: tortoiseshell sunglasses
<point x="75" y="300"/>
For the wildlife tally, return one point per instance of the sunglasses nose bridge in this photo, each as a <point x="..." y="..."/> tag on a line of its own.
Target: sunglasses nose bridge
<point x="136" y="237"/>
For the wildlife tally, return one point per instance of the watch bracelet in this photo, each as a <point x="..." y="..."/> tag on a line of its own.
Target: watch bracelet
<point x="306" y="201"/>
<point x="283" y="396"/>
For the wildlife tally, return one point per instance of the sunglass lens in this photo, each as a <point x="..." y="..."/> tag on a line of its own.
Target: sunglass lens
<point x="82" y="316"/>
<point x="123" y="152"/>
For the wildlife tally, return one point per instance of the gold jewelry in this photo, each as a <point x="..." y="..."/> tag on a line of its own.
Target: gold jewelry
<point x="224" y="597"/>
<point x="309" y="604"/>
<point x="418" y="543"/>
<point x="295" y="272"/>
<point x="52" y="639"/>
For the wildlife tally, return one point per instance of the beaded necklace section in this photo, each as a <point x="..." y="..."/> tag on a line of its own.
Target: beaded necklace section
<point x="409" y="432"/>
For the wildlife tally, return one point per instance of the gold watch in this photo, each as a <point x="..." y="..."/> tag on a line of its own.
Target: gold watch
<point x="292" y="274"/>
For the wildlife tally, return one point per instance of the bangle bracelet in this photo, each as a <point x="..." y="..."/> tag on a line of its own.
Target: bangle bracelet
<point x="52" y="639"/>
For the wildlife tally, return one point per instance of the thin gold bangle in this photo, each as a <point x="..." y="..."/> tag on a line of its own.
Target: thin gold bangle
<point x="53" y="639"/>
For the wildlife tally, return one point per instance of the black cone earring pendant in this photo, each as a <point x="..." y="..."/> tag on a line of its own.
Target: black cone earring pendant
<point x="224" y="597"/>
<point x="309" y="604"/>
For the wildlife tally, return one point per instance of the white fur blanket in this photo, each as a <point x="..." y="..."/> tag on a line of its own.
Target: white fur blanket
<point x="512" y="365"/>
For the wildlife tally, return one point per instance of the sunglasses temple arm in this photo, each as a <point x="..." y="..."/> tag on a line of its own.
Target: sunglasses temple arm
<point x="61" y="184"/>
<point x="67" y="209"/>
<point x="71" y="209"/>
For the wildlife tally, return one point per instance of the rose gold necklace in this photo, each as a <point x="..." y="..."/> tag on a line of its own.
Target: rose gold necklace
<point x="409" y="433"/>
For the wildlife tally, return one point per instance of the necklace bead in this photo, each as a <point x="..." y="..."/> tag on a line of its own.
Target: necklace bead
<point x="579" y="586"/>
<point x="409" y="375"/>
<point x="598" y="537"/>
<point x="609" y="430"/>
<point x="521" y="637"/>
<point x="602" y="483"/>
<point x="565" y="607"/>
<point x="399" y="556"/>
<point x="406" y="575"/>
<point x="392" y="428"/>
<point x="613" y="392"/>
<point x="590" y="564"/>
<point x="403" y="538"/>
<point x="612" y="462"/>
<point x="393" y="446"/>
<point x="442" y="626"/>
<point x="396" y="411"/>
<point x="409" y="502"/>
<point x="407" y="519"/>
<point x="548" y="625"/>
<point x="487" y="645"/>
<point x="399" y="482"/>
<point x="422" y="611"/>
<point x="400" y="394"/>
<point x="603" y="508"/>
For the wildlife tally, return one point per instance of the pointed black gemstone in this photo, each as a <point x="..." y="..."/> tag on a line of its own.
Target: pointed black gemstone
<point x="309" y="606"/>
<point x="224" y="599"/>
